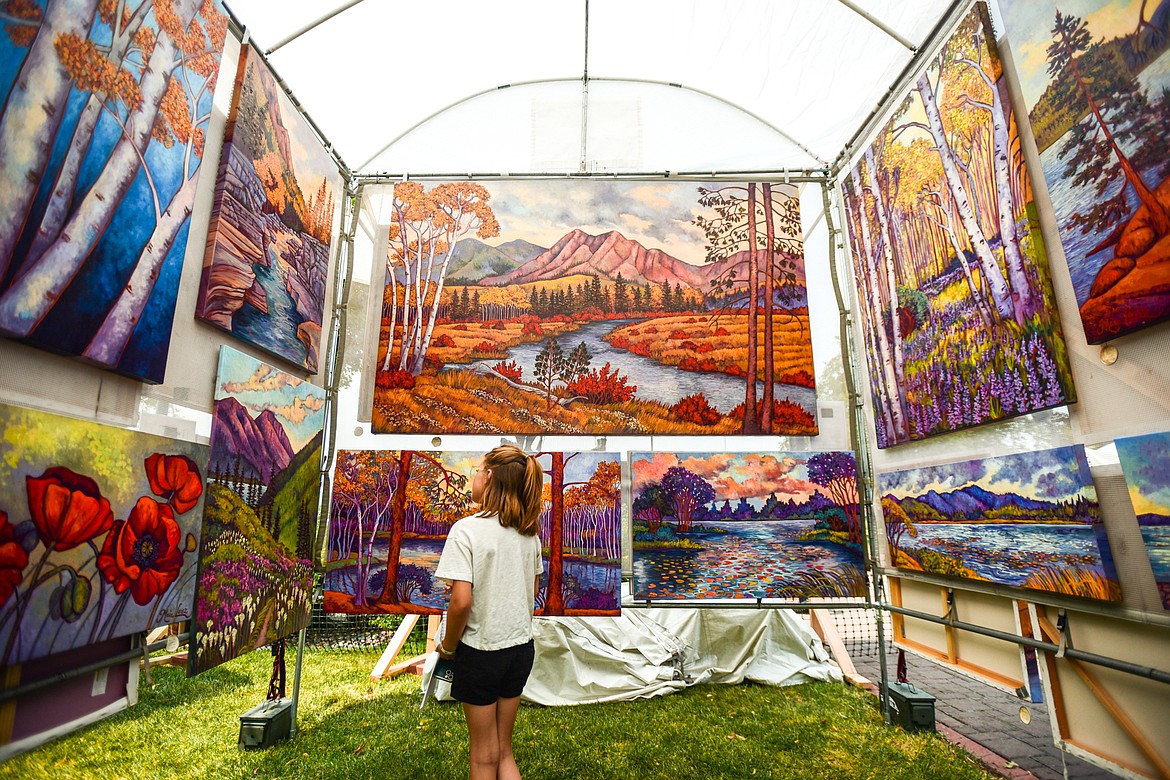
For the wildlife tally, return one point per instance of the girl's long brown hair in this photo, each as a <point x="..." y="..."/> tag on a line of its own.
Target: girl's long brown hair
<point x="514" y="492"/>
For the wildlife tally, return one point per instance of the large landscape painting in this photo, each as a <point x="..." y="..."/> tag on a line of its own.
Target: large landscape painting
<point x="263" y="489"/>
<point x="267" y="258"/>
<point x="1094" y="75"/>
<point x="99" y="527"/>
<point x="105" y="110"/>
<point x="1146" y="463"/>
<point x="955" y="299"/>
<point x="391" y="512"/>
<point x="734" y="526"/>
<point x="1028" y="521"/>
<point x="598" y="307"/>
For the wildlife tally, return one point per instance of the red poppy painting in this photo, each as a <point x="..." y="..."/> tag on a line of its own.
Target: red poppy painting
<point x="98" y="532"/>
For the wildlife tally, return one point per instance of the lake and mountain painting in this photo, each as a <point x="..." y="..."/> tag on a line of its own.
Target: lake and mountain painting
<point x="1028" y="521"/>
<point x="954" y="295"/>
<point x="1146" y="463"/>
<point x="1094" y="75"/>
<point x="105" y="107"/>
<point x="99" y="527"/>
<point x="595" y="307"/>
<point x="267" y="258"/>
<point x="263" y="486"/>
<point x="735" y="526"/>
<point x="391" y="512"/>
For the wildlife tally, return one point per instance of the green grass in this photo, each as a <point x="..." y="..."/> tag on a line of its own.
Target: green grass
<point x="352" y="727"/>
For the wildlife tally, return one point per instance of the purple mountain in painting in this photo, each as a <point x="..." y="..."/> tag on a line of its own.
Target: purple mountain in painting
<point x="260" y="445"/>
<point x="973" y="502"/>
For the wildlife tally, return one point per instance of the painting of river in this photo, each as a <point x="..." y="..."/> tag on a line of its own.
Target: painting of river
<point x="1146" y="463"/>
<point x="391" y="512"/>
<point x="955" y="298"/>
<point x="1028" y="521"/>
<point x="736" y="526"/>
<point x="1094" y="75"/>
<point x="595" y="307"/>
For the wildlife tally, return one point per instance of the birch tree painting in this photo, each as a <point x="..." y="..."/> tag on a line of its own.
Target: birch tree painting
<point x="955" y="299"/>
<point x="101" y="138"/>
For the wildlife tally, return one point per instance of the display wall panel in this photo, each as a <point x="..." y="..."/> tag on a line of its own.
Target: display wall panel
<point x="391" y="512"/>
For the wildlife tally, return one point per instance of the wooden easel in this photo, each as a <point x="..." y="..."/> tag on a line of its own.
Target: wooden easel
<point x="383" y="668"/>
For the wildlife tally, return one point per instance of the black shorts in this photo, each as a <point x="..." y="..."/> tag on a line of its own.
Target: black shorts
<point x="482" y="676"/>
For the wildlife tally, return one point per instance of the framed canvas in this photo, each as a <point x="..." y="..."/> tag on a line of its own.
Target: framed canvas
<point x="954" y="297"/>
<point x="102" y="133"/>
<point x="1027" y="521"/>
<point x="736" y="526"/>
<point x="1094" y="76"/>
<point x="1146" y="463"/>
<point x="267" y="258"/>
<point x="263" y="491"/>
<point x="599" y="307"/>
<point x="391" y="512"/>
<point x="99" y="528"/>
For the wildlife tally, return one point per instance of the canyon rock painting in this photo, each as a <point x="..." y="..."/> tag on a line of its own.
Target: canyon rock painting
<point x="391" y="512"/>
<point x="1146" y="463"/>
<point x="735" y="526"/>
<point x="572" y="307"/>
<point x="1028" y="521"/>
<point x="955" y="300"/>
<point x="102" y="129"/>
<point x="267" y="258"/>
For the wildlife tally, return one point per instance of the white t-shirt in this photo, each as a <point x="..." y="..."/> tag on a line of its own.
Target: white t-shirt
<point x="501" y="565"/>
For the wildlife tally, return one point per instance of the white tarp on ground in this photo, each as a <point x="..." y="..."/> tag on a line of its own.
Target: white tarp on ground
<point x="652" y="652"/>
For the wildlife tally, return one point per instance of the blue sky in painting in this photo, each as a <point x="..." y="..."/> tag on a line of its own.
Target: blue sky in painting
<point x="1146" y="463"/>
<point x="258" y="386"/>
<point x="1051" y="475"/>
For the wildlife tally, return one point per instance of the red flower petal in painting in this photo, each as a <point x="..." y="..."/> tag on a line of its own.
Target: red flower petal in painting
<point x="13" y="559"/>
<point x="67" y="508"/>
<point x="142" y="552"/>
<point x="175" y="477"/>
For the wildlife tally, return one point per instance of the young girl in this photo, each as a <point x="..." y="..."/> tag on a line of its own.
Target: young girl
<point x="492" y="560"/>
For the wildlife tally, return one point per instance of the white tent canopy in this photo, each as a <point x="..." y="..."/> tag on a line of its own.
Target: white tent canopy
<point x="672" y="86"/>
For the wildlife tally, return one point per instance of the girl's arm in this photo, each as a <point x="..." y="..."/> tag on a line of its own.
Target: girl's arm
<point x="458" y="610"/>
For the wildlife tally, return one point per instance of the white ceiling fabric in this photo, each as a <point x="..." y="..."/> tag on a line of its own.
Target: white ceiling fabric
<point x="812" y="69"/>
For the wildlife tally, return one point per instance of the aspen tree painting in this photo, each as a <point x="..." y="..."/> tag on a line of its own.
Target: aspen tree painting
<point x="955" y="299"/>
<point x="267" y="258"/>
<point x="595" y="307"/>
<point x="101" y="136"/>
<point x="1095" y="75"/>
<point x="391" y="512"/>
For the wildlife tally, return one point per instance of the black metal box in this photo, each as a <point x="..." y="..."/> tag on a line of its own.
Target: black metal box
<point x="911" y="708"/>
<point x="265" y="724"/>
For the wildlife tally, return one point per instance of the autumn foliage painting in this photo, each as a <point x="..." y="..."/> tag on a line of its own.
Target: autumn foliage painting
<point x="391" y="512"/>
<point x="98" y="532"/>
<point x="599" y="307"/>
<point x="267" y="258"/>
<point x="736" y="526"/>
<point x="101" y="136"/>
<point x="1146" y="463"/>
<point x="955" y="299"/>
<point x="1094" y="75"/>
<point x="1028" y="521"/>
<point x="263" y="489"/>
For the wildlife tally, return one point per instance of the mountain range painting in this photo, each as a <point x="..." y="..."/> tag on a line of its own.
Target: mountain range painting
<point x="99" y="527"/>
<point x="1094" y="75"/>
<point x="391" y="512"/>
<point x="595" y="307"/>
<point x="736" y="526"/>
<point x="954" y="295"/>
<point x="259" y="524"/>
<point x="267" y="258"/>
<point x="1146" y="463"/>
<point x="1027" y="521"/>
<point x="105" y="109"/>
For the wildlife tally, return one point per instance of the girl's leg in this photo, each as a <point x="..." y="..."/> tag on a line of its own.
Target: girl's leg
<point x="484" y="741"/>
<point x="505" y="721"/>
